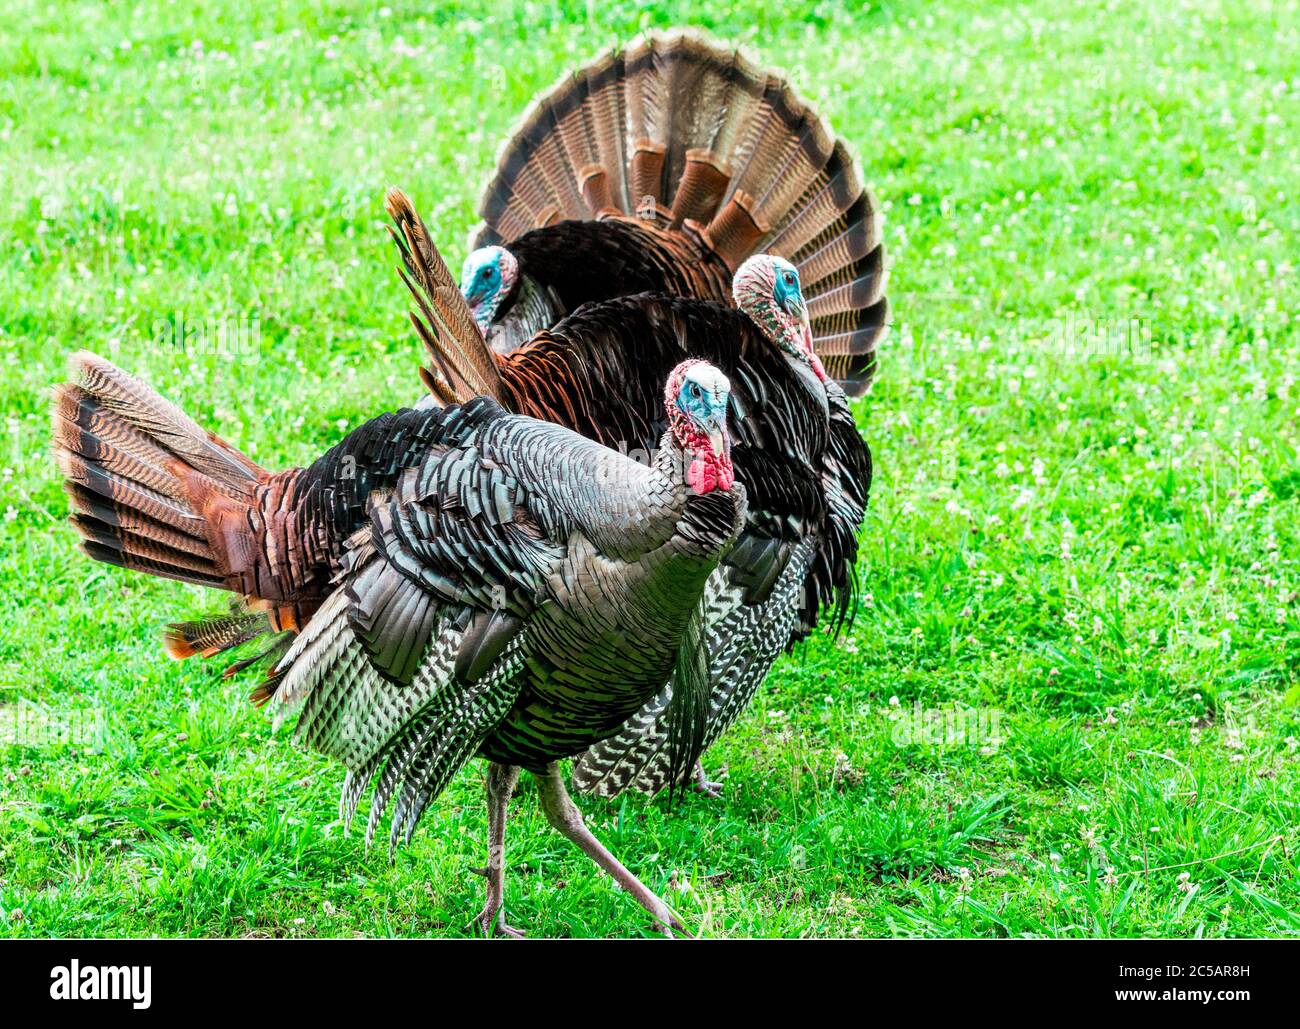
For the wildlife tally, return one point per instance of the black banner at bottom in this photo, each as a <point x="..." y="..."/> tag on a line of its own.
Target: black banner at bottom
<point x="148" y="978"/>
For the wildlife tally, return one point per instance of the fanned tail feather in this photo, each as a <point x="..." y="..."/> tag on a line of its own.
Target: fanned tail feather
<point x="690" y="134"/>
<point x="143" y="480"/>
<point x="151" y="491"/>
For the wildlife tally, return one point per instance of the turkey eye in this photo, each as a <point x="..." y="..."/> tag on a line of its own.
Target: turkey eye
<point x="487" y="273"/>
<point x="789" y="279"/>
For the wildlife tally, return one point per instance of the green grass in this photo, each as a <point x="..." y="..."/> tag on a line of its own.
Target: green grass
<point x="1084" y="520"/>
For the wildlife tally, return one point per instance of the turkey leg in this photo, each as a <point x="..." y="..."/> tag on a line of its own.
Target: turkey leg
<point x="500" y="782"/>
<point x="566" y="819"/>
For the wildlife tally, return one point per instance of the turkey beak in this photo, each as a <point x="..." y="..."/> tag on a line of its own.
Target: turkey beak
<point x="716" y="429"/>
<point x="475" y="290"/>
<point x="799" y="309"/>
<point x="473" y="294"/>
<point x="796" y="308"/>
<point x="479" y="307"/>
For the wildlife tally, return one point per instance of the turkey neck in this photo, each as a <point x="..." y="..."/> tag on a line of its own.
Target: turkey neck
<point x="527" y="309"/>
<point x="709" y="522"/>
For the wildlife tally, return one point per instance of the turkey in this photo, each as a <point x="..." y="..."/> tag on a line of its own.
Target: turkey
<point x="662" y="167"/>
<point x="796" y="449"/>
<point x="473" y="581"/>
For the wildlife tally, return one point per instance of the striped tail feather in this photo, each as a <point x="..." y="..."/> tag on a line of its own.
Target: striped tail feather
<point x="149" y="491"/>
<point x="466" y="364"/>
<point x="693" y="136"/>
<point x="212" y="636"/>
<point x="144" y="481"/>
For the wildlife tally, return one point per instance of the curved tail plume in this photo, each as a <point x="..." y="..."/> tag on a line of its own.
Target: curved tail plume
<point x="466" y="364"/>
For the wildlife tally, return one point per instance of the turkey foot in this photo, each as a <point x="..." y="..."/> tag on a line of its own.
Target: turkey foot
<point x="491" y="921"/>
<point x="703" y="785"/>
<point x="566" y="819"/>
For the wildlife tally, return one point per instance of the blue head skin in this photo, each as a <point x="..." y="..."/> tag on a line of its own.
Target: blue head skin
<point x="702" y="401"/>
<point x="786" y="288"/>
<point x="767" y="289"/>
<point x="696" y="396"/>
<point x="486" y="278"/>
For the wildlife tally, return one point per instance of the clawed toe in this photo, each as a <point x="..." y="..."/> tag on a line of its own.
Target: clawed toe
<point x="665" y="922"/>
<point x="703" y="784"/>
<point x="490" y="923"/>
<point x="668" y="927"/>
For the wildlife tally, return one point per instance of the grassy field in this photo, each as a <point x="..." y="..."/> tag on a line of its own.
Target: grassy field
<point x="1082" y="543"/>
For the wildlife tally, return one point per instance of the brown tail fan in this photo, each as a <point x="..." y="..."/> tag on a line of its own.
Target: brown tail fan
<point x="692" y="135"/>
<point x="147" y="486"/>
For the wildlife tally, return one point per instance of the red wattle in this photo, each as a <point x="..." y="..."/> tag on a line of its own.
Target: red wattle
<point x="709" y="473"/>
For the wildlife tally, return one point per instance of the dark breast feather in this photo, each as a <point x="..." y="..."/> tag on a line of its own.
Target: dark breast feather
<point x="847" y="472"/>
<point x="587" y="261"/>
<point x="601" y="370"/>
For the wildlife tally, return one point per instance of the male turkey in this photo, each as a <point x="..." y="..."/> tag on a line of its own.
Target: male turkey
<point x="797" y="451"/>
<point x="475" y="581"/>
<point x="662" y="167"/>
